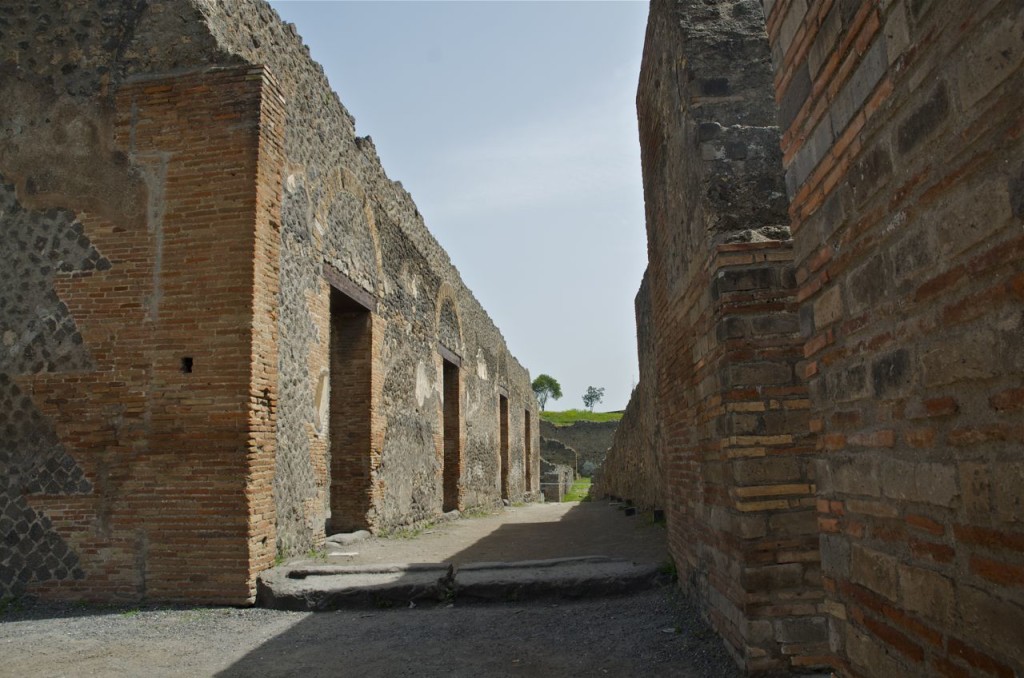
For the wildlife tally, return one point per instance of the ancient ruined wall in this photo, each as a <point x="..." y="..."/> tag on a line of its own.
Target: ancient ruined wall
<point x="732" y="411"/>
<point x="633" y="467"/>
<point x="167" y="335"/>
<point x="590" y="439"/>
<point x="902" y="140"/>
<point x="341" y="208"/>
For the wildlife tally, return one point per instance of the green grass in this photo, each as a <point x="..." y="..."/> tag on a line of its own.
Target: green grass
<point x="572" y="416"/>
<point x="579" y="491"/>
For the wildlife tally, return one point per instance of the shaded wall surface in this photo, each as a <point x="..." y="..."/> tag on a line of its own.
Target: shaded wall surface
<point x="634" y="466"/>
<point x="191" y="227"/>
<point x="886" y="441"/>
<point x="719" y="359"/>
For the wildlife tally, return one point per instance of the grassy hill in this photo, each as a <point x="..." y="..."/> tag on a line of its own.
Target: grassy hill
<point x="572" y="416"/>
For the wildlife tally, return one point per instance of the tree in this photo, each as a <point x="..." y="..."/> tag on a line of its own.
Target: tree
<point x="592" y="397"/>
<point x="545" y="387"/>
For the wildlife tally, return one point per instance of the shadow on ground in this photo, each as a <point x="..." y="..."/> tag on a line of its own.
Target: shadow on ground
<point x="653" y="633"/>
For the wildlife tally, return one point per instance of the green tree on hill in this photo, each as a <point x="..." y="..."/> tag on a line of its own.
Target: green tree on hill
<point x="544" y="387"/>
<point x="592" y="397"/>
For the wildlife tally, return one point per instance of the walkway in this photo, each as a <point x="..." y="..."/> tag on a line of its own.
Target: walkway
<point x="570" y="550"/>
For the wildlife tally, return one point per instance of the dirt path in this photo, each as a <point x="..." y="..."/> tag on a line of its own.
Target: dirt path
<point x="654" y="633"/>
<point x="530" y="532"/>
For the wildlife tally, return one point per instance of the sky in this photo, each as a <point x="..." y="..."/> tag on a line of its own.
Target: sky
<point x="513" y="126"/>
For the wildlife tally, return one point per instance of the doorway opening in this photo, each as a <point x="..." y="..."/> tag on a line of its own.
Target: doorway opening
<point x="351" y="369"/>
<point x="451" y="425"/>
<point x="528" y="454"/>
<point x="503" y="445"/>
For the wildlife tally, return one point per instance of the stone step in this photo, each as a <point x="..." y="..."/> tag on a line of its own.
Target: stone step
<point x="333" y="587"/>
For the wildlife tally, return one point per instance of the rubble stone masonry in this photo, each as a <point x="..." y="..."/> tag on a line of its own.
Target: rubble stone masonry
<point x="882" y="343"/>
<point x="221" y="324"/>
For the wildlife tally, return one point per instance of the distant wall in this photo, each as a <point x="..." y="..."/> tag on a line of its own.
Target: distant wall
<point x="634" y="468"/>
<point x="555" y="480"/>
<point x="590" y="439"/>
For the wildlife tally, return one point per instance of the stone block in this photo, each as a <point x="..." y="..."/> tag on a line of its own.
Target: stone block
<point x="835" y="555"/>
<point x="828" y="307"/>
<point x="776" y="323"/>
<point x="927" y="593"/>
<point x="990" y="58"/>
<point x="826" y="40"/>
<point x="859" y="475"/>
<point x="847" y="383"/>
<point x="924" y="121"/>
<point x="991" y="621"/>
<point x="744" y="280"/>
<point x="793" y="523"/>
<point x="972" y="355"/>
<point x="896" y="32"/>
<point x="976" y="487"/>
<point x="805" y="630"/>
<point x="891" y="374"/>
<point x="870" y="172"/>
<point x="868" y="284"/>
<point x="760" y="374"/>
<point x="770" y="578"/>
<point x="875" y="571"/>
<point x="854" y="94"/>
<point x="870" y="656"/>
<point x="794" y="17"/>
<point x="1008" y="491"/>
<point x="767" y="470"/>
<point x="929" y="483"/>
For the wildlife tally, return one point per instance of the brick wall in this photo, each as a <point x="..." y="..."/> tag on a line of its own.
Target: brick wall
<point x="633" y="468"/>
<point x="181" y="199"/>
<point x="172" y="421"/>
<point x="732" y="411"/>
<point x="902" y="139"/>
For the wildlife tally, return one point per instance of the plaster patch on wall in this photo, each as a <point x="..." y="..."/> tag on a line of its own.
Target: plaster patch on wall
<point x="481" y="365"/>
<point x="425" y="386"/>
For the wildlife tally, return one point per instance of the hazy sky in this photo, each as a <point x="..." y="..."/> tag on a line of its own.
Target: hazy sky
<point x="513" y="125"/>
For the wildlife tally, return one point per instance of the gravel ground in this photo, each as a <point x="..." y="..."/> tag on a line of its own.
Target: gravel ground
<point x="651" y="634"/>
<point x="655" y="633"/>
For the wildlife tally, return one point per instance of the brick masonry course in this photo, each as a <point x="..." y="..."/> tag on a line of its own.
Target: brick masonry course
<point x="176" y="317"/>
<point x="901" y="151"/>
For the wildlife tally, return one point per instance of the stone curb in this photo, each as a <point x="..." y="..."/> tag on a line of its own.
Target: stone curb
<point x="332" y="587"/>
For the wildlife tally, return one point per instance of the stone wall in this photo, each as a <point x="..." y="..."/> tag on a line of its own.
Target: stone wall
<point x="173" y="318"/>
<point x="633" y="468"/>
<point x="590" y="439"/>
<point x="902" y="139"/>
<point x="731" y="433"/>
<point x="882" y="343"/>
<point x="555" y="480"/>
<point x="555" y="452"/>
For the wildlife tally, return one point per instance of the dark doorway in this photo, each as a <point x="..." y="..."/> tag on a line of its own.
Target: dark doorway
<point x="351" y="368"/>
<point x="503" y="445"/>
<point x="528" y="454"/>
<point x="451" y="426"/>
